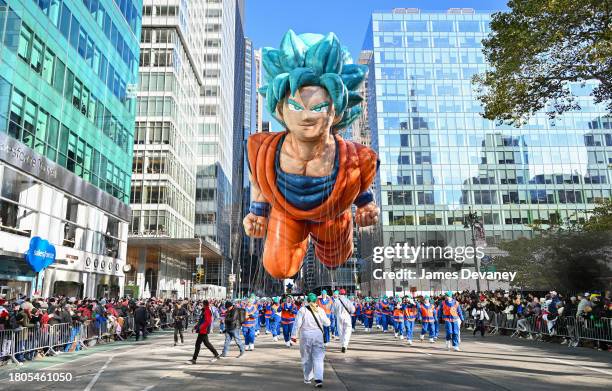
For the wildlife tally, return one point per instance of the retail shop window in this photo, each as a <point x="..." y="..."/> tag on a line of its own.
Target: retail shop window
<point x="16" y="219"/>
<point x="68" y="289"/>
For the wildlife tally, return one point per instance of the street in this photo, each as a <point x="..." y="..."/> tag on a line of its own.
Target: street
<point x="373" y="362"/>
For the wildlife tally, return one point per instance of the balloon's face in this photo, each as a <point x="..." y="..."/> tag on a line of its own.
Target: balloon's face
<point x="309" y="113"/>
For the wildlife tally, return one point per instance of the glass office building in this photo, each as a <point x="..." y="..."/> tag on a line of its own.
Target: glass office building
<point x="439" y="157"/>
<point x="66" y="128"/>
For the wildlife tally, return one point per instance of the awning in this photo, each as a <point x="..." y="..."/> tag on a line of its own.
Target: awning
<point x="185" y="247"/>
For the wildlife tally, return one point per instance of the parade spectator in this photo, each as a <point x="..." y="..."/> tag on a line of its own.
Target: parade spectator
<point x="234" y="317"/>
<point x="203" y="327"/>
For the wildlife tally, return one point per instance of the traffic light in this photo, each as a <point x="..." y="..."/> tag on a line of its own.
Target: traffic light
<point x="199" y="276"/>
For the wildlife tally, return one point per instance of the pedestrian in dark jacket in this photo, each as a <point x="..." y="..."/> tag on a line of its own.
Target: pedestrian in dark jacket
<point x="179" y="314"/>
<point x="203" y="328"/>
<point x="141" y="316"/>
<point x="233" y="321"/>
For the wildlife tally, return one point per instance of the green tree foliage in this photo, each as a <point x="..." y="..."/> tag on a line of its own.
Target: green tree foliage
<point x="537" y="49"/>
<point x="567" y="259"/>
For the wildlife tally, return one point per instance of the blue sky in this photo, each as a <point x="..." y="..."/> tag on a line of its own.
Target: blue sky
<point x="268" y="20"/>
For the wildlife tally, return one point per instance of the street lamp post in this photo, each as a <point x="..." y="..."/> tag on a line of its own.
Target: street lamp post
<point x="469" y="222"/>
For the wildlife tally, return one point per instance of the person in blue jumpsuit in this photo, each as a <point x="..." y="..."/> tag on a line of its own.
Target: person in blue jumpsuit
<point x="410" y="311"/>
<point x="451" y="312"/>
<point x="275" y="319"/>
<point x="386" y="314"/>
<point x="248" y="327"/>
<point x="325" y="303"/>
<point x="427" y="314"/>
<point x="288" y="310"/>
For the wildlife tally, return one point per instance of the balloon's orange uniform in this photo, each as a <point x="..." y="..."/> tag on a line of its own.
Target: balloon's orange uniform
<point x="330" y="224"/>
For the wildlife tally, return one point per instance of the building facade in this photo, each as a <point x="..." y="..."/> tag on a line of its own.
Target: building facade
<point x="439" y="157"/>
<point x="163" y="170"/>
<point x="220" y="134"/>
<point x="66" y="129"/>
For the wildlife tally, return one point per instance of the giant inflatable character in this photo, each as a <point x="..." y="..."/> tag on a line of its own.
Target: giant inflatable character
<point x="305" y="179"/>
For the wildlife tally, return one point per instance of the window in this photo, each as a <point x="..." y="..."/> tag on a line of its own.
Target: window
<point x="58" y="76"/>
<point x="442" y="26"/>
<point x="36" y="57"/>
<point x="25" y="40"/>
<point x="47" y="66"/>
<point x="74" y="32"/>
<point x="425" y="197"/>
<point x="41" y="131"/>
<point x="468" y="26"/>
<point x="65" y="21"/>
<point x="16" y="115"/>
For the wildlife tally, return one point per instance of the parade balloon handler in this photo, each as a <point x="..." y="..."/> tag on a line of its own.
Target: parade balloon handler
<point x="248" y="327"/>
<point x="275" y="319"/>
<point x="451" y="312"/>
<point x="357" y="314"/>
<point x="203" y="327"/>
<point x="410" y="310"/>
<point x="398" y="319"/>
<point x="325" y="303"/>
<point x="288" y="311"/>
<point x="305" y="179"/>
<point x="308" y="327"/>
<point x="333" y="329"/>
<point x="368" y="311"/>
<point x="343" y="310"/>
<point x="427" y="314"/>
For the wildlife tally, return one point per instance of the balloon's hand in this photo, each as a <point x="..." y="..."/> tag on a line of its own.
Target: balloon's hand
<point x="367" y="215"/>
<point x="255" y="226"/>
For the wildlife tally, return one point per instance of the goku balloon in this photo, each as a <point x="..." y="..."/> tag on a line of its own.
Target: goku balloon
<point x="305" y="179"/>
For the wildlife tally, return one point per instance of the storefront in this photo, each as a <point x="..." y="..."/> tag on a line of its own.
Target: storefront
<point x="165" y="267"/>
<point x="86" y="226"/>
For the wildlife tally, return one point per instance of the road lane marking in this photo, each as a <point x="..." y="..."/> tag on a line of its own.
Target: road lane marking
<point x="95" y="378"/>
<point x="581" y="366"/>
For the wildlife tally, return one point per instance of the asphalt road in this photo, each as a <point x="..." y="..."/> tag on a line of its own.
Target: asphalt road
<point x="374" y="361"/>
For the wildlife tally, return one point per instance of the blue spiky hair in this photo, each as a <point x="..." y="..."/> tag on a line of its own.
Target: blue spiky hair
<point x="313" y="59"/>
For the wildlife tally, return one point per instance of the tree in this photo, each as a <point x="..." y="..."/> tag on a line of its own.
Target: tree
<point x="564" y="260"/>
<point x="537" y="49"/>
<point x="563" y="257"/>
<point x="601" y="220"/>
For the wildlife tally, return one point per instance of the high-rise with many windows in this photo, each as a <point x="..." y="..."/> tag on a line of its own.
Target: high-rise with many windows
<point x="439" y="157"/>
<point x="162" y="247"/>
<point x="220" y="133"/>
<point x="66" y="130"/>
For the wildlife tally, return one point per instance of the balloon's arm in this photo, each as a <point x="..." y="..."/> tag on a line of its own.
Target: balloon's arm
<point x="256" y="194"/>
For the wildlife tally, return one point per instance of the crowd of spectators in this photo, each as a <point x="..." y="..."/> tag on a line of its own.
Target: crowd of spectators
<point x="30" y="318"/>
<point x="556" y="314"/>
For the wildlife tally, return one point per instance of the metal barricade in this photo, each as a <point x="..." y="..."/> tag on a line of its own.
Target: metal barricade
<point x="60" y="335"/>
<point x="88" y="333"/>
<point x="6" y="345"/>
<point x="594" y="329"/>
<point x="28" y="341"/>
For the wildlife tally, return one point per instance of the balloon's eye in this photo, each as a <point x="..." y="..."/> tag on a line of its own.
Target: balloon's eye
<point x="320" y="109"/>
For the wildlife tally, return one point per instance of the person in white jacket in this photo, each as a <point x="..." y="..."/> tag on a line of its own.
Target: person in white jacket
<point x="479" y="314"/>
<point x="343" y="309"/>
<point x="308" y="326"/>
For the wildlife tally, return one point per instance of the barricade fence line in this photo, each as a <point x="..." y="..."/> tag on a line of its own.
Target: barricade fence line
<point x="24" y="343"/>
<point x="537" y="327"/>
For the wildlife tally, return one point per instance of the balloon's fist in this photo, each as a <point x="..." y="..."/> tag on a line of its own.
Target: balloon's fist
<point x="367" y="215"/>
<point x="255" y="226"/>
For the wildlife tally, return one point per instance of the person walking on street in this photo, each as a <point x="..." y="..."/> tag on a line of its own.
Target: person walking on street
<point x="141" y="317"/>
<point x="309" y="324"/>
<point x="234" y="317"/>
<point x="203" y="328"/>
<point x="479" y="314"/>
<point x="343" y="308"/>
<point x="179" y="314"/>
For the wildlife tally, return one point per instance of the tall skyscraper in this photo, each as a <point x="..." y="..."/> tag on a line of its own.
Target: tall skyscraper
<point x="66" y="130"/>
<point x="439" y="157"/>
<point x="162" y="247"/>
<point x="220" y="133"/>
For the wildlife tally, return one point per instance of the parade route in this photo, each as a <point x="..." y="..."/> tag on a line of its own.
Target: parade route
<point x="374" y="361"/>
